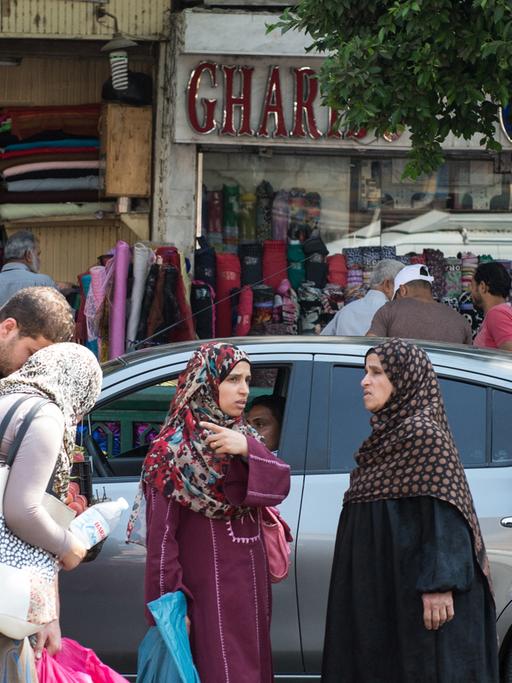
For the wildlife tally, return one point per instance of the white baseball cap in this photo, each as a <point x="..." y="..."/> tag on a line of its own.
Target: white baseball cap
<point x="417" y="271"/>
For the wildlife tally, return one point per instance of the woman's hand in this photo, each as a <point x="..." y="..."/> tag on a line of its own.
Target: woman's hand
<point x="74" y="555"/>
<point x="224" y="440"/>
<point x="437" y="609"/>
<point x="50" y="638"/>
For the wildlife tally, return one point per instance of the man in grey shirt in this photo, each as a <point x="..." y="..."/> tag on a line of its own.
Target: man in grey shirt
<point x="354" y="319"/>
<point x="22" y="263"/>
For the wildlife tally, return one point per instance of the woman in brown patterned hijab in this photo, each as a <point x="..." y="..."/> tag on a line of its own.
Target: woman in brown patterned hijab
<point x="410" y="596"/>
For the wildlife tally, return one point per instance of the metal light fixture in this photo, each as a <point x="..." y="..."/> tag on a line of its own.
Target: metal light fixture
<point x="116" y="49"/>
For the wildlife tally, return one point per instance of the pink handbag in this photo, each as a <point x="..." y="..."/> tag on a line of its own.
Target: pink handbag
<point x="74" y="664"/>
<point x="277" y="538"/>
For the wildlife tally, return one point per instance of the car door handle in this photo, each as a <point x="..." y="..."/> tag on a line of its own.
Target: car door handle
<point x="506" y="522"/>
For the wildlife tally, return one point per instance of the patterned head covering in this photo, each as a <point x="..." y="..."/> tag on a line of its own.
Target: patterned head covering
<point x="179" y="462"/>
<point x="411" y="450"/>
<point x="70" y="376"/>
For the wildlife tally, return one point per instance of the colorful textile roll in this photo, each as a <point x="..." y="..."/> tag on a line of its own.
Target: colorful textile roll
<point x="275" y="265"/>
<point x="49" y="167"/>
<point x="228" y="279"/>
<point x="214" y="220"/>
<point x="54" y="184"/>
<point x="71" y="119"/>
<point x="143" y="257"/>
<point x="280" y="216"/>
<point x="72" y="142"/>
<point x="205" y="264"/>
<point x="244" y="312"/>
<point x="202" y="300"/>
<point x="337" y="270"/>
<point x="117" y="319"/>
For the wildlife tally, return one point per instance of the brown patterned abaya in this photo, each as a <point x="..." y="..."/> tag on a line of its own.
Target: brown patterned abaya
<point x="409" y="527"/>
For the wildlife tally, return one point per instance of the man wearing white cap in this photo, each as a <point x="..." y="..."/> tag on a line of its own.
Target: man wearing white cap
<point x="414" y="313"/>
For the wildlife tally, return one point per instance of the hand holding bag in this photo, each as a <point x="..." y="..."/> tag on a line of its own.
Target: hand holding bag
<point x="28" y="598"/>
<point x="277" y="538"/>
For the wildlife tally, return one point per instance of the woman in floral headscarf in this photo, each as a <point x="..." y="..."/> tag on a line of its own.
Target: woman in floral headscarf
<point x="205" y="478"/>
<point x="411" y="597"/>
<point x="69" y="377"/>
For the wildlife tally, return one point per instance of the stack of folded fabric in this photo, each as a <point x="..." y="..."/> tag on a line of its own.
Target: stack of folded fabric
<point x="52" y="167"/>
<point x="469" y="265"/>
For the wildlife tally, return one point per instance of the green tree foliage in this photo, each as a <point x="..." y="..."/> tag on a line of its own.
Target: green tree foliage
<point x="435" y="66"/>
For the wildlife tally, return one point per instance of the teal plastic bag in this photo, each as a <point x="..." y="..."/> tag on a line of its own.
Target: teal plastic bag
<point x="164" y="654"/>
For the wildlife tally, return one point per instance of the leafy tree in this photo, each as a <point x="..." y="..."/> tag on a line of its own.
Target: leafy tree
<point x="435" y="66"/>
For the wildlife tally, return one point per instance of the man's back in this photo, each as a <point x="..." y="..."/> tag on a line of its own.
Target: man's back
<point x="354" y="319"/>
<point x="411" y="318"/>
<point x="16" y="276"/>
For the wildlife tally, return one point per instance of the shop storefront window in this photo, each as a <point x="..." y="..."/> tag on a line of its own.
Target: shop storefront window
<point x="357" y="200"/>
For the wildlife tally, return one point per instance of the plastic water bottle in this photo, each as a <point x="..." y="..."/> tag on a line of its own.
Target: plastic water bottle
<point x="97" y="522"/>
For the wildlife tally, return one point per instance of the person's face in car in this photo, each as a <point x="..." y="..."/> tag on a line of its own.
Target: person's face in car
<point x="263" y="421"/>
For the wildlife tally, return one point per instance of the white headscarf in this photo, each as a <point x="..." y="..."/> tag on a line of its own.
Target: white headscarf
<point x="70" y="376"/>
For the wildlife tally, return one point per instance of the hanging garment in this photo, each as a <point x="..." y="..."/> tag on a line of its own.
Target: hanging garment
<point x="247" y="218"/>
<point x="149" y="291"/>
<point x="228" y="279"/>
<point x="296" y="267"/>
<point x="204" y="263"/>
<point x="215" y="210"/>
<point x="203" y="309"/>
<point x="143" y="257"/>
<point x="251" y="262"/>
<point x="244" y="317"/>
<point x="316" y="265"/>
<point x="299" y="229"/>
<point x="280" y="216"/>
<point x="275" y="265"/>
<point x="184" y="329"/>
<point x="264" y="218"/>
<point x="231" y="217"/>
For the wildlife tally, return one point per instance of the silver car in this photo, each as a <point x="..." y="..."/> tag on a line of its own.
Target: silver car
<point x="324" y="423"/>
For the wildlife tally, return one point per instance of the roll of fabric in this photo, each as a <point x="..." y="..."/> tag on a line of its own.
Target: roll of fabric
<point x="143" y="257"/>
<point x="184" y="329"/>
<point x="244" y="317"/>
<point x="228" y="279"/>
<point x="89" y="155"/>
<point x="275" y="265"/>
<point x="35" y="152"/>
<point x="94" y="301"/>
<point x="117" y="319"/>
<point x="434" y="259"/>
<point x="71" y="142"/>
<point x="310" y="301"/>
<point x="71" y="196"/>
<point x="296" y="267"/>
<point x="49" y="167"/>
<point x="291" y="309"/>
<point x="263" y="305"/>
<point x="54" y="184"/>
<point x="264" y="218"/>
<point x="337" y="270"/>
<point x="247" y="220"/>
<point x="12" y="212"/>
<point x="72" y="119"/>
<point x="251" y="263"/>
<point x="147" y="299"/>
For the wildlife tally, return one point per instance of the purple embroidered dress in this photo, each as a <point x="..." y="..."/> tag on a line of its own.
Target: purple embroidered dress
<point x="221" y="566"/>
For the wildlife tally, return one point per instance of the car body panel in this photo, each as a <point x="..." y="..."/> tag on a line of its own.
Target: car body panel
<point x="102" y="603"/>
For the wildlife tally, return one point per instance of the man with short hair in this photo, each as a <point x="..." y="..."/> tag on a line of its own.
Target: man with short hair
<point x="414" y="313"/>
<point x="21" y="265"/>
<point x="265" y="415"/>
<point x="490" y="290"/>
<point x="354" y="319"/>
<point x="33" y="318"/>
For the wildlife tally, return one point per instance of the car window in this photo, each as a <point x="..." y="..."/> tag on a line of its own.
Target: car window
<point x="124" y="427"/>
<point x="501" y="426"/>
<point x="466" y="408"/>
<point x="349" y="421"/>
